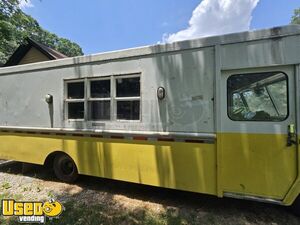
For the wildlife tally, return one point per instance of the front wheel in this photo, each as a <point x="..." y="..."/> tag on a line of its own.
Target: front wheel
<point x="65" y="168"/>
<point x="296" y="206"/>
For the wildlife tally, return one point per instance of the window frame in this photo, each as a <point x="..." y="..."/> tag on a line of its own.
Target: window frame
<point x="67" y="100"/>
<point x="90" y="99"/>
<point x="135" y="98"/>
<point x="113" y="97"/>
<point x="265" y="72"/>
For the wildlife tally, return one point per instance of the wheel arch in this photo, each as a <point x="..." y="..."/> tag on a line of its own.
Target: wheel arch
<point x="48" y="162"/>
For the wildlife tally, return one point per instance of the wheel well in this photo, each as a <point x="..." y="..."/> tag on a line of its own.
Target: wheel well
<point x="50" y="158"/>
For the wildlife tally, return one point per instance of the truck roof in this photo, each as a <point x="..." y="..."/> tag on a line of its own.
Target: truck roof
<point x="241" y="37"/>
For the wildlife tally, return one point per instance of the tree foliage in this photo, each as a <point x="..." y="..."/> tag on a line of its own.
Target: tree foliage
<point x="296" y="17"/>
<point x="16" y="26"/>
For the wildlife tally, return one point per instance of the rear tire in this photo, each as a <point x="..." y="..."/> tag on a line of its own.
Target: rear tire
<point x="296" y="206"/>
<point x="65" y="168"/>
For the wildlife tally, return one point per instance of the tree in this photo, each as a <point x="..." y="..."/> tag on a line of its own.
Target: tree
<point x="16" y="26"/>
<point x="296" y="17"/>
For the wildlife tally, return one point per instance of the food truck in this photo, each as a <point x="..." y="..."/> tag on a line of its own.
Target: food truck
<point x="216" y="115"/>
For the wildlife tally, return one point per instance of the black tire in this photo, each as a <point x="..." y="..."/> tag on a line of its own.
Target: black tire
<point x="296" y="206"/>
<point x="65" y="168"/>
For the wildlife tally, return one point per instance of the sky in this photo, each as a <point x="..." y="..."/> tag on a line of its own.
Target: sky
<point x="107" y="25"/>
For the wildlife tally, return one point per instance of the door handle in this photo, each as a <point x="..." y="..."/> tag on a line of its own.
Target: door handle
<point x="291" y="139"/>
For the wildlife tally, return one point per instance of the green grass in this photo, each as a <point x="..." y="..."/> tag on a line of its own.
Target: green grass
<point x="7" y="195"/>
<point x="81" y="214"/>
<point x="110" y="213"/>
<point x="6" y="185"/>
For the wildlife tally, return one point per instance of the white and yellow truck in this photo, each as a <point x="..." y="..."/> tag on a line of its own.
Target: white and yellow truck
<point x="217" y="115"/>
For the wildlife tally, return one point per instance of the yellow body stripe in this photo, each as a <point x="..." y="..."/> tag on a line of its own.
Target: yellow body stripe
<point x="183" y="166"/>
<point x="238" y="163"/>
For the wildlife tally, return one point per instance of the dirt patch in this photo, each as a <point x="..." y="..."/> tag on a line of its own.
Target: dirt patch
<point x="116" y="202"/>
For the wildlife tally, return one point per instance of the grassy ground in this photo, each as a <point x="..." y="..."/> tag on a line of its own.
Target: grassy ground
<point x="83" y="214"/>
<point x="94" y="201"/>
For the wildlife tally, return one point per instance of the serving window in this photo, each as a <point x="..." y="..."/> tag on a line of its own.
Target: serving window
<point x="106" y="98"/>
<point x="258" y="97"/>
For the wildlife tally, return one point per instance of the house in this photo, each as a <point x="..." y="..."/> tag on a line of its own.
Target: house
<point x="33" y="52"/>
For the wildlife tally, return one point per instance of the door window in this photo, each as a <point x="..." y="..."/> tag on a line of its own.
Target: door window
<point x="258" y="97"/>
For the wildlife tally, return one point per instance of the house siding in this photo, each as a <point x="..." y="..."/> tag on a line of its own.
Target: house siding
<point x="33" y="56"/>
